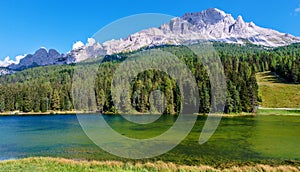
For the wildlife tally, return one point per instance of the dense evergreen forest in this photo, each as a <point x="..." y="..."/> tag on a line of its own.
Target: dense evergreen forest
<point x="48" y="88"/>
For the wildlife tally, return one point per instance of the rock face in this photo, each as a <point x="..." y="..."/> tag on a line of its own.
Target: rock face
<point x="91" y="50"/>
<point x="42" y="57"/>
<point x="209" y="25"/>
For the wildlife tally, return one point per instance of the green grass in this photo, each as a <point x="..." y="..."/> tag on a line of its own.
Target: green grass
<point x="276" y="93"/>
<point x="59" y="164"/>
<point x="277" y="112"/>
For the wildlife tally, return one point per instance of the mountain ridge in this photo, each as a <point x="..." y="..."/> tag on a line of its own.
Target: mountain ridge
<point x="42" y="57"/>
<point x="208" y="25"/>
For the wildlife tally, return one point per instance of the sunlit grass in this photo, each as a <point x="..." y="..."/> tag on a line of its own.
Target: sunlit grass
<point x="59" y="164"/>
<point x="277" y="112"/>
<point x="275" y="93"/>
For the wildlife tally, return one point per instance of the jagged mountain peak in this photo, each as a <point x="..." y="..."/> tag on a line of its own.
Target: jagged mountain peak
<point x="209" y="16"/>
<point x="42" y="57"/>
<point x="41" y="52"/>
<point x="214" y="10"/>
<point x="240" y="20"/>
<point x="209" y="13"/>
<point x="210" y="25"/>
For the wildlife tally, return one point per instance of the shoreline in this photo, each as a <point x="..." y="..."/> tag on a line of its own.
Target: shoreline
<point x="94" y="112"/>
<point x="260" y="112"/>
<point x="18" y="113"/>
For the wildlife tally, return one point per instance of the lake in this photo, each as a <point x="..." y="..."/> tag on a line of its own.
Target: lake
<point x="237" y="139"/>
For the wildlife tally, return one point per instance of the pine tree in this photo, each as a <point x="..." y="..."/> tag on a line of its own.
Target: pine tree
<point x="2" y="105"/>
<point x="28" y="100"/>
<point x="55" y="100"/>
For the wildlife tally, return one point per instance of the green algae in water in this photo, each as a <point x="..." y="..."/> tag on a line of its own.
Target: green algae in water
<point x="272" y="139"/>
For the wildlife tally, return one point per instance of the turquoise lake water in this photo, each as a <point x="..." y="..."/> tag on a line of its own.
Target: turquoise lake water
<point x="238" y="139"/>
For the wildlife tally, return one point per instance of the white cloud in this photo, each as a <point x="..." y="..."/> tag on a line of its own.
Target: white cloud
<point x="77" y="45"/>
<point x="90" y="42"/>
<point x="19" y="57"/>
<point x="7" y="61"/>
<point x="297" y="10"/>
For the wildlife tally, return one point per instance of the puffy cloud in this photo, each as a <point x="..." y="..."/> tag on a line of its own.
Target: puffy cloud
<point x="77" y="45"/>
<point x="7" y="61"/>
<point x="90" y="42"/>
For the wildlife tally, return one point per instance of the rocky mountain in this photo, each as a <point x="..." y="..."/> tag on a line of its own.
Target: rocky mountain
<point x="209" y="25"/>
<point x="42" y="57"/>
<point x="91" y="50"/>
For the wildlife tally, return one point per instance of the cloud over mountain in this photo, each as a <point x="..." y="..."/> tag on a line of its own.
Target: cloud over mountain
<point x="7" y="61"/>
<point x="77" y="45"/>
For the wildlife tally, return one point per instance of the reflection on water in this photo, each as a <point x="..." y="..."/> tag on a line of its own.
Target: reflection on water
<point x="236" y="139"/>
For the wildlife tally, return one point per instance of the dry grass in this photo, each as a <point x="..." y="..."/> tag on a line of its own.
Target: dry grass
<point x="60" y="164"/>
<point x="265" y="168"/>
<point x="275" y="93"/>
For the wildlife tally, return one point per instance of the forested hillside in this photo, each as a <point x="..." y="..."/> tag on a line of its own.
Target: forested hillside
<point x="49" y="88"/>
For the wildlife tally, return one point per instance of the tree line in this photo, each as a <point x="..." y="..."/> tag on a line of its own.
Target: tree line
<point x="48" y="88"/>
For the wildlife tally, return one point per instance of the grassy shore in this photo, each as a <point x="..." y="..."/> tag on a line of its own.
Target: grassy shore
<point x="278" y="112"/>
<point x="17" y="113"/>
<point x="59" y="164"/>
<point x="45" y="113"/>
<point x="243" y="114"/>
<point x="259" y="112"/>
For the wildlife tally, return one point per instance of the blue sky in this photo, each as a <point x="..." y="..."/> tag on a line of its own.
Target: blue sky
<point x="26" y="25"/>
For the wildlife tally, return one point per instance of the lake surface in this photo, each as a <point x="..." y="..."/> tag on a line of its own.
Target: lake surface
<point x="238" y="139"/>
